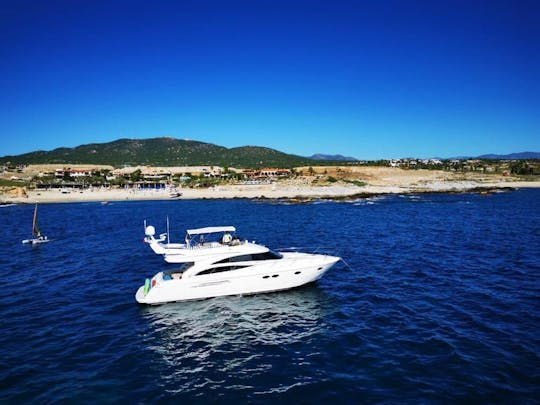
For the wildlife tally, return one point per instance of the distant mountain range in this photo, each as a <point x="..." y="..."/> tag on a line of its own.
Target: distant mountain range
<point x="491" y="156"/>
<point x="179" y="152"/>
<point x="161" y="152"/>
<point x="512" y="156"/>
<point x="335" y="158"/>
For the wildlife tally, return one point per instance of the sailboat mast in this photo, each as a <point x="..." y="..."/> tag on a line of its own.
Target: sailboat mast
<point x="35" y="230"/>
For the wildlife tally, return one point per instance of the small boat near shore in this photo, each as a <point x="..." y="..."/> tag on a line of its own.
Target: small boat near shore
<point x="39" y="238"/>
<point x="214" y="262"/>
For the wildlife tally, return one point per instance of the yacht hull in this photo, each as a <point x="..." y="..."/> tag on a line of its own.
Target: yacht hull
<point x="279" y="275"/>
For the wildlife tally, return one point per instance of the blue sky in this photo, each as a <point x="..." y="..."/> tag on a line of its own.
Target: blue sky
<point x="377" y="79"/>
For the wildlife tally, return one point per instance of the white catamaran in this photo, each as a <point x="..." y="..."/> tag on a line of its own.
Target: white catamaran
<point x="39" y="238"/>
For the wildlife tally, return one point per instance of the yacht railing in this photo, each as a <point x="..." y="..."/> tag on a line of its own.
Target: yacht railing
<point x="319" y="250"/>
<point x="309" y="249"/>
<point x="212" y="245"/>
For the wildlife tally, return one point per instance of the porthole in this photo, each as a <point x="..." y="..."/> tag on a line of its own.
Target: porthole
<point x="320" y="268"/>
<point x="275" y="275"/>
<point x="297" y="272"/>
<point x="266" y="276"/>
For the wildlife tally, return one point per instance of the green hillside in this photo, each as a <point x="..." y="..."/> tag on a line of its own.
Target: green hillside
<point x="161" y="152"/>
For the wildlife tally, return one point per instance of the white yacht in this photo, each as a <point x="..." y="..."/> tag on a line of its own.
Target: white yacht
<point x="213" y="262"/>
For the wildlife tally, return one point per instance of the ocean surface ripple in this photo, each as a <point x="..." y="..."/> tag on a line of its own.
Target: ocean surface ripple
<point x="437" y="300"/>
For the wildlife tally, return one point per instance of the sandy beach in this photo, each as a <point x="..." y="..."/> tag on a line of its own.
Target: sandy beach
<point x="349" y="182"/>
<point x="290" y="189"/>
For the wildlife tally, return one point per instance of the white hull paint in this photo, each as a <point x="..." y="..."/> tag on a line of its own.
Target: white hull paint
<point x="35" y="241"/>
<point x="293" y="270"/>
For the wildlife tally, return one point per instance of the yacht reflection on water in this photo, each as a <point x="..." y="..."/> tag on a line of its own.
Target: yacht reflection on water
<point x="266" y="318"/>
<point x="233" y="336"/>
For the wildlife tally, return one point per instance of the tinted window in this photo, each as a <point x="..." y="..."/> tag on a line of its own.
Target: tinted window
<point x="220" y="270"/>
<point x="270" y="255"/>
<point x="185" y="266"/>
<point x="267" y="255"/>
<point x="181" y="269"/>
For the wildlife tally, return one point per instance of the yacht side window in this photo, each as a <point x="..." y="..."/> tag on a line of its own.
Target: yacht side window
<point x="241" y="258"/>
<point x="270" y="255"/>
<point x="219" y="270"/>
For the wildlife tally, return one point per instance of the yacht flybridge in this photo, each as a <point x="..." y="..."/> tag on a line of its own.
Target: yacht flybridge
<point x="198" y="243"/>
<point x="214" y="262"/>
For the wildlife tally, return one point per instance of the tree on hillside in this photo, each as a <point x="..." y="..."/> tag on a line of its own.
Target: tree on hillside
<point x="136" y="175"/>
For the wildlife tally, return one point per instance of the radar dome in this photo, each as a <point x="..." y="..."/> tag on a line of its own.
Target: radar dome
<point x="150" y="230"/>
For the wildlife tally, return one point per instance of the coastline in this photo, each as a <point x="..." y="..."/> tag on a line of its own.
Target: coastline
<point x="273" y="191"/>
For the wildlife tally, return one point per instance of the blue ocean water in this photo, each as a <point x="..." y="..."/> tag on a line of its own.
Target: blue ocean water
<point x="439" y="302"/>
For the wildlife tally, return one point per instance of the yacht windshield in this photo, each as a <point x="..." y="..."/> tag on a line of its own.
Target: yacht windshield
<point x="184" y="267"/>
<point x="177" y="273"/>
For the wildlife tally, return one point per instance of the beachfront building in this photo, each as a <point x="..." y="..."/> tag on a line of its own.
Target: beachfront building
<point x="150" y="172"/>
<point x="415" y="163"/>
<point x="156" y="176"/>
<point x="267" y="173"/>
<point x="74" y="173"/>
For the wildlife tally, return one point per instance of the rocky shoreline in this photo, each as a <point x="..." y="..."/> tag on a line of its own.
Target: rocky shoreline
<point x="271" y="192"/>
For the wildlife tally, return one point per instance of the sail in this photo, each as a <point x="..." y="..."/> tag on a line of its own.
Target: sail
<point x="35" y="229"/>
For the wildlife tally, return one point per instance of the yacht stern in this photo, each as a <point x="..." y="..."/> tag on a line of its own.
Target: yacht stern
<point x="140" y="296"/>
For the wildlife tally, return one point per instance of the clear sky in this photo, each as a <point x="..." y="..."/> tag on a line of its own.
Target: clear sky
<point x="369" y="79"/>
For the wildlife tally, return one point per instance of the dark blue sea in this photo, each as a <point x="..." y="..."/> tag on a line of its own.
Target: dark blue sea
<point x="438" y="301"/>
